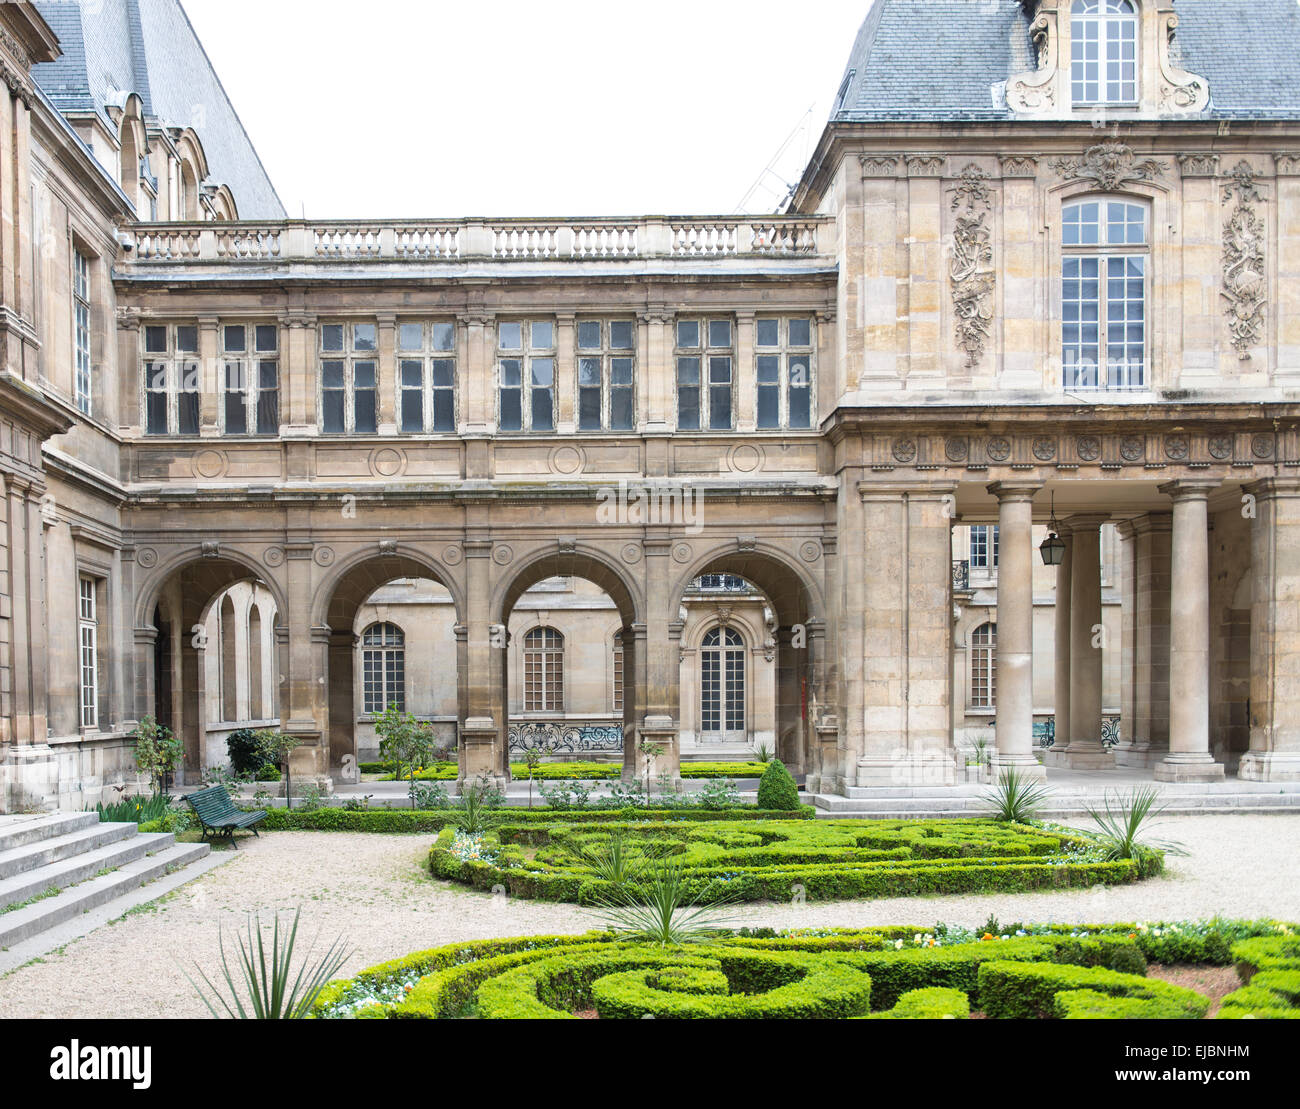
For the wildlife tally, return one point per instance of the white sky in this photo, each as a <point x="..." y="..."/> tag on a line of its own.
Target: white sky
<point x="393" y="108"/>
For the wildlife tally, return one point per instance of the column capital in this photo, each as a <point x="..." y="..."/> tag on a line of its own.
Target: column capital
<point x="1015" y="490"/>
<point x="1273" y="487"/>
<point x="1086" y="521"/>
<point x="1189" y="488"/>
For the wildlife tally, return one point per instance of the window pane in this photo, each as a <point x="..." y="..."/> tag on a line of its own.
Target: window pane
<point x="799" y="375"/>
<point x="620" y="409"/>
<point x="767" y="333"/>
<point x="589" y="336"/>
<point x="589" y="409"/>
<point x="620" y="371"/>
<point x="541" y="410"/>
<point x="444" y="373"/>
<point x="800" y="406"/>
<point x="268" y="411"/>
<point x="511" y="410"/>
<point x="588" y="371"/>
<point x="719" y="370"/>
<point x="410" y="336"/>
<point x="720" y="408"/>
<point x="511" y="336"/>
<point x="801" y="333"/>
<point x="332" y="375"/>
<point x="363" y="375"/>
<point x="364" y="407"/>
<point x="688" y="333"/>
<point x="769" y="404"/>
<point x="543" y="371"/>
<point x="542" y="335"/>
<point x="332" y="411"/>
<point x="620" y="335"/>
<point x="267" y="338"/>
<point x="363" y="336"/>
<point x="412" y="410"/>
<point x="331" y="336"/>
<point x="688" y="407"/>
<point x="155" y="340"/>
<point x="444" y="410"/>
<point x="156" y="414"/>
<point x="236" y="414"/>
<point x="769" y="369"/>
<point x="235" y="339"/>
<point x="188" y="412"/>
<point x="719" y="333"/>
<point x="187" y="339"/>
<point x="444" y="336"/>
<point x="412" y="375"/>
<point x="688" y="371"/>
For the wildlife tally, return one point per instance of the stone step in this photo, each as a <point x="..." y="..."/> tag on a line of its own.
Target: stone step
<point x="19" y="831"/>
<point x="21" y="925"/>
<point x="31" y="856"/>
<point x="69" y="872"/>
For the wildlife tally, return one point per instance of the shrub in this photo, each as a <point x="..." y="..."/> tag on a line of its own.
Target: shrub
<point x="932" y="1003"/>
<point x="1015" y="799"/>
<point x="777" y="790"/>
<point x="247" y="754"/>
<point x="1123" y="827"/>
<point x="134" y="810"/>
<point x="157" y="752"/>
<point x="1276" y="952"/>
<point x="269" y="773"/>
<point x="1017" y="990"/>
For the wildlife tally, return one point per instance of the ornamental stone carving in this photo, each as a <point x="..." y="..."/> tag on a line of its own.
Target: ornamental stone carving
<point x="1220" y="446"/>
<point x="1044" y="448"/>
<point x="1261" y="446"/>
<point x="878" y="165"/>
<point x="1180" y="92"/>
<point x="1018" y="165"/>
<point x="999" y="449"/>
<point x="1132" y="448"/>
<point x="1088" y="448"/>
<point x="971" y="270"/>
<point x="1245" y="286"/>
<point x="1109" y="165"/>
<point x="925" y="165"/>
<point x="1035" y="91"/>
<point x="956" y="450"/>
<point x="1177" y="448"/>
<point x="1199" y="165"/>
<point x="905" y="450"/>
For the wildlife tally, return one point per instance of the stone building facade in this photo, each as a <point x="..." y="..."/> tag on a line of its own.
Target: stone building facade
<point x="1041" y="271"/>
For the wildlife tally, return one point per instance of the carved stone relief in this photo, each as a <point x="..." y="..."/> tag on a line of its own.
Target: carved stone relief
<point x="1245" y="284"/>
<point x="971" y="270"/>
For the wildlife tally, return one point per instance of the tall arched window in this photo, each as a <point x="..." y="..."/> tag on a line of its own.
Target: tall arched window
<point x="722" y="681"/>
<point x="256" y="710"/>
<point x="1103" y="52"/>
<point x="229" y="667"/>
<point x="383" y="669"/>
<point x="543" y="671"/>
<point x="1103" y="294"/>
<point x="618" y="673"/>
<point x="984" y="667"/>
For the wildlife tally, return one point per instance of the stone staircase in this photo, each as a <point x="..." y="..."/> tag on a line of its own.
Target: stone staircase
<point x="1064" y="800"/>
<point x="57" y="868"/>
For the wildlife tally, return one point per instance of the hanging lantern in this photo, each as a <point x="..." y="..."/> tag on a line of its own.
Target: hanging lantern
<point x="1053" y="547"/>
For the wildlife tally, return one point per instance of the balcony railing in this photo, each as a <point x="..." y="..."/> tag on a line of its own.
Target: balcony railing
<point x="771" y="237"/>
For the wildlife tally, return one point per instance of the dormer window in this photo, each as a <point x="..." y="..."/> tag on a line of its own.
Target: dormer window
<point x="1103" y="52"/>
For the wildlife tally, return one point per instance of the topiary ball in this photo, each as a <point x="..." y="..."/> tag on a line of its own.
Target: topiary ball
<point x="777" y="791"/>
<point x="268" y="773"/>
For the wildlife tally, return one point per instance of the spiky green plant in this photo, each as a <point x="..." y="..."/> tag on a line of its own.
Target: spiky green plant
<point x="656" y="910"/>
<point x="267" y="988"/>
<point x="1015" y="798"/>
<point x="475" y="812"/>
<point x="1124" y="826"/>
<point x="616" y="860"/>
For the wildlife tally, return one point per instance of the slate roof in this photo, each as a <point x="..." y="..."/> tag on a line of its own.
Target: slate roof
<point x="941" y="59"/>
<point x="148" y="47"/>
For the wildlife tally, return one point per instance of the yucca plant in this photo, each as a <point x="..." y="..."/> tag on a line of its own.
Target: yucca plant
<point x="1123" y="826"/>
<point x="267" y="988"/>
<point x="1015" y="798"/>
<point x="656" y="910"/>
<point x="616" y="860"/>
<point x="474" y="813"/>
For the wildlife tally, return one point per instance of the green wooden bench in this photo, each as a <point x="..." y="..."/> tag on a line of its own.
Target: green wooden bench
<point x="217" y="813"/>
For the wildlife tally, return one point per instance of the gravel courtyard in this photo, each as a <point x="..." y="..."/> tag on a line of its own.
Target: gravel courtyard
<point x="372" y="890"/>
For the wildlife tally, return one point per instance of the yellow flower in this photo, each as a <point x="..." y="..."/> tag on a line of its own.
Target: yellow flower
<point x="987" y="936"/>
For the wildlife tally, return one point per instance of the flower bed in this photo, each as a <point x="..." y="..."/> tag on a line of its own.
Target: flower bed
<point x="1098" y="971"/>
<point x="554" y="860"/>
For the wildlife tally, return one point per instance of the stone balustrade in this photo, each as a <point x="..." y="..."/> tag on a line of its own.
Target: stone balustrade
<point x="499" y="240"/>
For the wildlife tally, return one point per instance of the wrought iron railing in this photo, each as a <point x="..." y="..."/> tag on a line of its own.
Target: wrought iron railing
<point x="961" y="576"/>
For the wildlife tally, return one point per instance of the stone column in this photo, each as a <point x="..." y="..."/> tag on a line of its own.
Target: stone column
<point x="566" y="373"/>
<point x="1061" y="621"/>
<point x="386" y="375"/>
<point x="745" y="376"/>
<point x="1274" y="754"/>
<point x="907" y="636"/>
<point x="1085" y="750"/>
<point x="307" y="717"/>
<point x="658" y="693"/>
<point x="1146" y="722"/>
<point x="483" y="726"/>
<point x="1189" y="758"/>
<point x="1015" y="639"/>
<point x="212" y="380"/>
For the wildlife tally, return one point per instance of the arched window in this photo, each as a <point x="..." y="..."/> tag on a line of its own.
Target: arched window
<point x="722" y="680"/>
<point x="984" y="667"/>
<point x="618" y="673"/>
<point x="256" y="710"/>
<point x="383" y="669"/>
<point x="229" y="667"/>
<point x="1103" y="52"/>
<point x="1103" y="294"/>
<point x="543" y="671"/>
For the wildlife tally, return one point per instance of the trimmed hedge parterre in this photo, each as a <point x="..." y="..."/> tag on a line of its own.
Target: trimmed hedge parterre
<point x="550" y="860"/>
<point x="571" y="771"/>
<point x="1097" y="972"/>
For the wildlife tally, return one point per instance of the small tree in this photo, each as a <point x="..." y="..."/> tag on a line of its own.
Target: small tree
<point x="777" y="791"/>
<point x="275" y="747"/>
<point x="157" y="753"/>
<point x="533" y="759"/>
<point x="403" y="739"/>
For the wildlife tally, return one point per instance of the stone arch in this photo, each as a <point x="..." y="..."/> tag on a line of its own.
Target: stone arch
<point x="181" y="592"/>
<point x="797" y="603"/>
<point x="191" y="173"/>
<point x="592" y="565"/>
<point x="583" y="562"/>
<point x="338" y="600"/>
